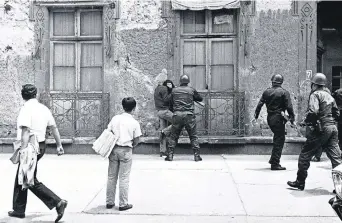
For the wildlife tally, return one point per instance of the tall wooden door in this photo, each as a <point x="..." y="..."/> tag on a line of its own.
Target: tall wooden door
<point x="209" y="62"/>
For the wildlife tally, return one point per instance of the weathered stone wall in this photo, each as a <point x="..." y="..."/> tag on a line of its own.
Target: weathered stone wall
<point x="16" y="66"/>
<point x="273" y="46"/>
<point x="141" y="52"/>
<point x="141" y="56"/>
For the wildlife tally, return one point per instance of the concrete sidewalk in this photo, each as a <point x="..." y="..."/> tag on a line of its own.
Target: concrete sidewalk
<point x="222" y="188"/>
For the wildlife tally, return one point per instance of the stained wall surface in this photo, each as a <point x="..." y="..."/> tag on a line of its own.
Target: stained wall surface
<point x="142" y="41"/>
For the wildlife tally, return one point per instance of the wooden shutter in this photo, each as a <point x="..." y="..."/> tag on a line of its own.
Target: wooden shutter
<point x="64" y="24"/>
<point x="64" y="72"/>
<point x="194" y="62"/>
<point x="223" y="21"/>
<point x="222" y="65"/>
<point x="194" y="22"/>
<point x="91" y="67"/>
<point x="91" y="23"/>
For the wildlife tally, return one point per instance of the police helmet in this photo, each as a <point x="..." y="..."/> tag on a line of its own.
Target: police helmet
<point x="277" y="78"/>
<point x="184" y="79"/>
<point x="319" y="79"/>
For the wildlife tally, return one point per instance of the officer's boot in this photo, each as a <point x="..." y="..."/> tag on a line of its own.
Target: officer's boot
<point x="169" y="156"/>
<point x="296" y="184"/>
<point x="197" y="156"/>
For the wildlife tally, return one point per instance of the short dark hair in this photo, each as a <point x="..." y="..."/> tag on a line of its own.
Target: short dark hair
<point x="129" y="104"/>
<point x="28" y="91"/>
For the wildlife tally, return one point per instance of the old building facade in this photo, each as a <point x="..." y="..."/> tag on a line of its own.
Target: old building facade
<point x="86" y="55"/>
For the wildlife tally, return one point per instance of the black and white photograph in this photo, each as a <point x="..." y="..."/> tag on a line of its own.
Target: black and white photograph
<point x="170" y="111"/>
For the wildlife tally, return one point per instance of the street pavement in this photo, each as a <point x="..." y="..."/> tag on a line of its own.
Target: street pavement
<point x="221" y="188"/>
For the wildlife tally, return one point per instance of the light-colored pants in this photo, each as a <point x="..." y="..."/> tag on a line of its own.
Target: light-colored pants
<point x="120" y="163"/>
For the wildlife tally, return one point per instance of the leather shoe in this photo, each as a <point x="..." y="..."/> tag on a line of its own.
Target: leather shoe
<point x="277" y="167"/>
<point x="110" y="206"/>
<point x="126" y="207"/>
<point x="60" y="209"/>
<point x="197" y="158"/>
<point x="296" y="184"/>
<point x="16" y="214"/>
<point x="168" y="158"/>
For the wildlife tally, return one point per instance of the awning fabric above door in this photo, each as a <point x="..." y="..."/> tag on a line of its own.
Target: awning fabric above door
<point x="205" y="4"/>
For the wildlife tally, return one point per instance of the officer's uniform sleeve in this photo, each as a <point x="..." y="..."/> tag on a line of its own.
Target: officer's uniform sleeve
<point x="313" y="109"/>
<point x="335" y="112"/>
<point x="289" y="107"/>
<point x="260" y="104"/>
<point x="197" y="96"/>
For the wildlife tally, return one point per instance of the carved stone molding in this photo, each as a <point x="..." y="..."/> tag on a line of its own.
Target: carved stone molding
<point x="110" y="15"/>
<point x="307" y="22"/>
<point x="39" y="31"/>
<point x="247" y="10"/>
<point x="249" y="7"/>
<point x="294" y="8"/>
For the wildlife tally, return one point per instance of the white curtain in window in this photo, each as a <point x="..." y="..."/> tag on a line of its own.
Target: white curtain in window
<point x="205" y="4"/>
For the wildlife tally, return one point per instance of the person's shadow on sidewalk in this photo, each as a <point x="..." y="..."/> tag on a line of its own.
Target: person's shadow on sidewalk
<point x="101" y="209"/>
<point x="311" y="192"/>
<point x="28" y="218"/>
<point x="267" y="169"/>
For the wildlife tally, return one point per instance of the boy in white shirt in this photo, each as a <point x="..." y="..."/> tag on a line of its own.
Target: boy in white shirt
<point x="120" y="159"/>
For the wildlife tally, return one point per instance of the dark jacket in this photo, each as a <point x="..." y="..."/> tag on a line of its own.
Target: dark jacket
<point x="277" y="100"/>
<point x="161" y="98"/>
<point x="183" y="97"/>
<point x="322" y="107"/>
<point x="338" y="98"/>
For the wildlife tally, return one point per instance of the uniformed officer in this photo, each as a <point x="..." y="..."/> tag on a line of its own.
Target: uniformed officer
<point x="321" y="130"/>
<point x="277" y="100"/>
<point x="182" y="100"/>
<point x="319" y="151"/>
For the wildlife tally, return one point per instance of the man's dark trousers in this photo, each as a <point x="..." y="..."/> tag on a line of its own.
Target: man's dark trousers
<point x="277" y="125"/>
<point x="180" y="120"/>
<point x="40" y="190"/>
<point x="328" y="139"/>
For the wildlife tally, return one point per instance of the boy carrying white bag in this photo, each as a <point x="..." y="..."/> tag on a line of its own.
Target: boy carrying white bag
<point x="116" y="143"/>
<point x="105" y="143"/>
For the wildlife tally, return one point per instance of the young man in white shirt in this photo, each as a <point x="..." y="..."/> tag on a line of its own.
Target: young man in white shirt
<point x="120" y="159"/>
<point x="35" y="117"/>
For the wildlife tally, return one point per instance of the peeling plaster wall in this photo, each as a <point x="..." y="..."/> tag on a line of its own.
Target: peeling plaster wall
<point x="273" y="42"/>
<point x="274" y="5"/>
<point x="16" y="66"/>
<point x="142" y="54"/>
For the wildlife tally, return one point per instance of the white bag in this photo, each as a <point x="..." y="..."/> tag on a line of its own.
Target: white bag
<point x="105" y="143"/>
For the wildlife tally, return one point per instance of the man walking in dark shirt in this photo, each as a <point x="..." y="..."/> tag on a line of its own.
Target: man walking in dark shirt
<point x="277" y="101"/>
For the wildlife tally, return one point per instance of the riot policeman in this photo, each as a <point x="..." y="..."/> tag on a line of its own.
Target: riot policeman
<point x="321" y="130"/>
<point x="277" y="101"/>
<point x="182" y="100"/>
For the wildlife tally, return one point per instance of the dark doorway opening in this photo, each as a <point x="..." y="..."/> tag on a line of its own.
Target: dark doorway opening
<point x="329" y="42"/>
